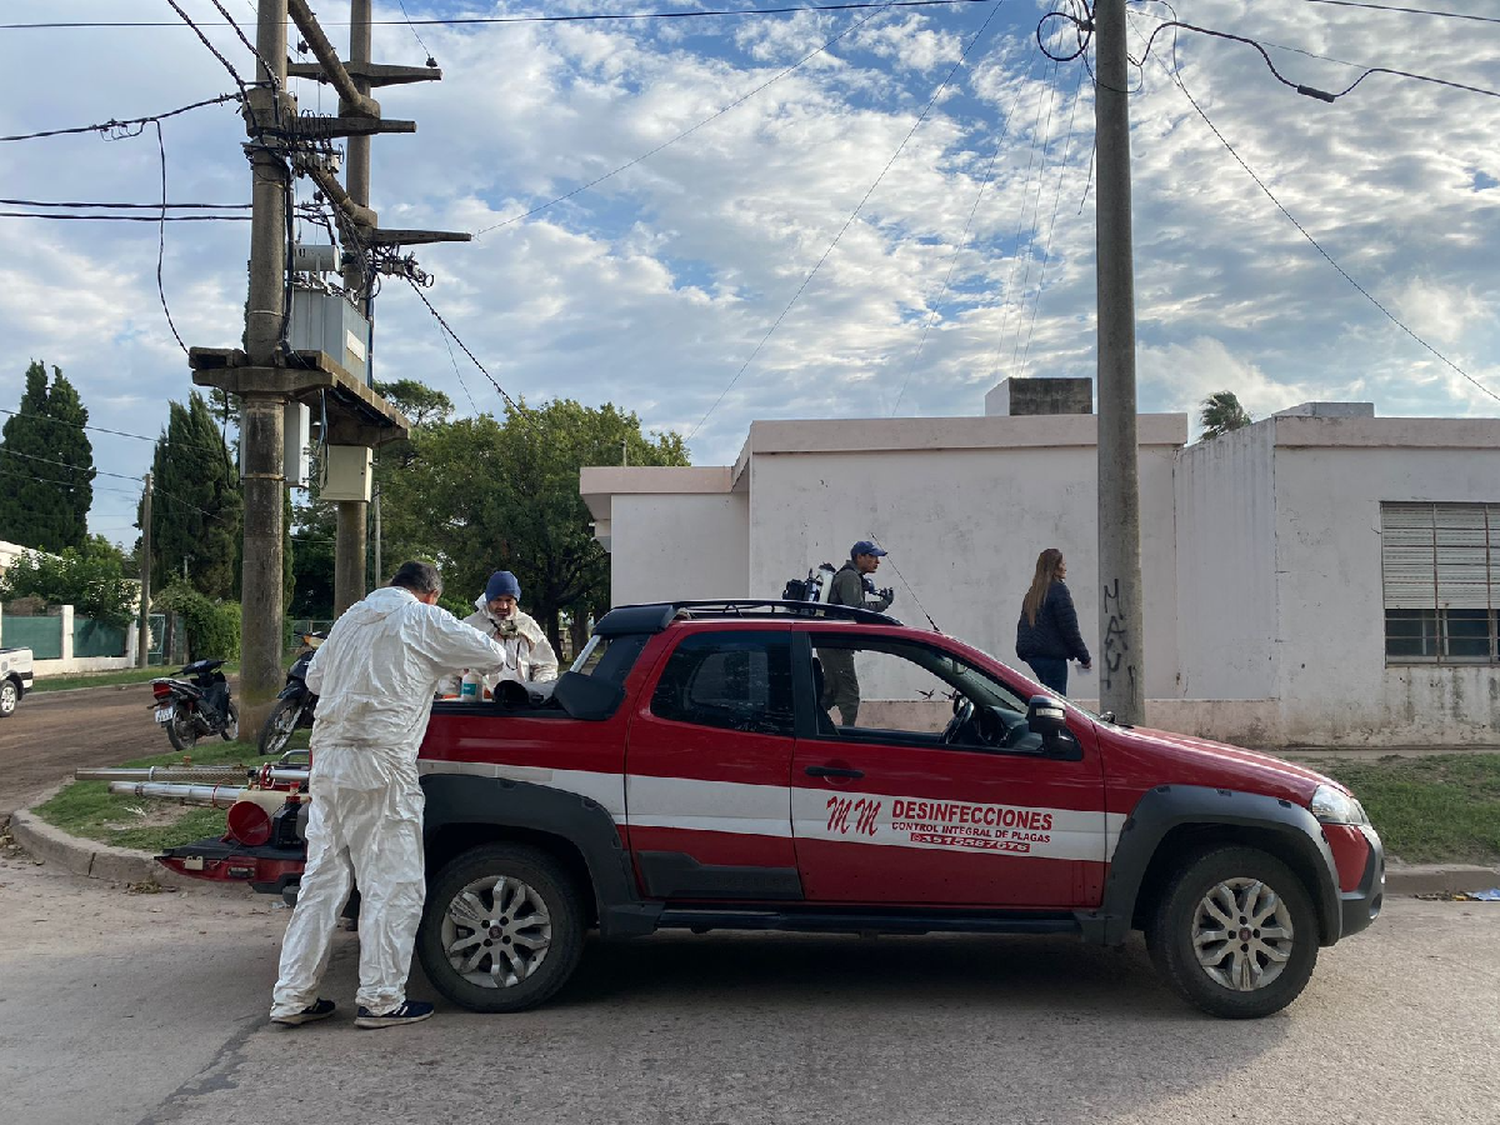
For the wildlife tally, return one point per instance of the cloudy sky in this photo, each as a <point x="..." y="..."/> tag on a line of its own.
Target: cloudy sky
<point x="911" y="208"/>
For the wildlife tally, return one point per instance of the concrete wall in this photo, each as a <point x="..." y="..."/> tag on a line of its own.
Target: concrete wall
<point x="1331" y="476"/>
<point x="669" y="546"/>
<point x="964" y="525"/>
<point x="1226" y="566"/>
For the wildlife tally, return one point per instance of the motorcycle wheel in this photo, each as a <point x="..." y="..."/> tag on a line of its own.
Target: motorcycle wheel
<point x="280" y="725"/>
<point x="182" y="731"/>
<point x="231" y="729"/>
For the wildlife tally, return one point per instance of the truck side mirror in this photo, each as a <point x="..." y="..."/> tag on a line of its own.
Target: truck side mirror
<point x="1049" y="718"/>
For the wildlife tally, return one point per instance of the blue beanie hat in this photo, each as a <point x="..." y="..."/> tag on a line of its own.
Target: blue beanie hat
<point x="502" y="582"/>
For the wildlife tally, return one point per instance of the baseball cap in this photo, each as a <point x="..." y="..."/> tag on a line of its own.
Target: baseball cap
<point x="865" y="547"/>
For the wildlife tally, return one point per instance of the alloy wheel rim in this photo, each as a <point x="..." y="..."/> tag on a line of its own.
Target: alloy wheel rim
<point x="7" y="697"/>
<point x="1243" y="934"/>
<point x="496" y="932"/>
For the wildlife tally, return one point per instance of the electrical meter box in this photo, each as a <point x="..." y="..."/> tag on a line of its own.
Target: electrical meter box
<point x="329" y="323"/>
<point x="346" y="473"/>
<point x="298" y="430"/>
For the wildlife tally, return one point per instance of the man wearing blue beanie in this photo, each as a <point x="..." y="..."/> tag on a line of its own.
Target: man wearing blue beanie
<point x="497" y="614"/>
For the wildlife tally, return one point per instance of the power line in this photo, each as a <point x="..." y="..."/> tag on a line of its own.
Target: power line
<point x="963" y="239"/>
<point x="1318" y="246"/>
<point x="515" y="406"/>
<point x="125" y="218"/>
<point x="115" y="433"/>
<point x="741" y="100"/>
<point x="1408" y="11"/>
<point x="1302" y="88"/>
<point x="458" y="21"/>
<point x="947" y="78"/>
<point x="130" y="127"/>
<point x="130" y="206"/>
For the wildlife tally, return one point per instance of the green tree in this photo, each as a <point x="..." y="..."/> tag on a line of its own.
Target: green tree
<point x="1221" y="413"/>
<point x="46" y="465"/>
<point x="197" y="508"/>
<point x="89" y="579"/>
<point x="481" y="495"/>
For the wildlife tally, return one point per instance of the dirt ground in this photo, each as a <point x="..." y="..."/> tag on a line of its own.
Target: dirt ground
<point x="51" y="733"/>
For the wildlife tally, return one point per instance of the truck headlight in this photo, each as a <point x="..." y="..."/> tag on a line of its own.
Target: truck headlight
<point x="1333" y="806"/>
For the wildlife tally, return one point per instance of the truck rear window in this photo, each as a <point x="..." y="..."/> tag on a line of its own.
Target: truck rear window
<point x="610" y="659"/>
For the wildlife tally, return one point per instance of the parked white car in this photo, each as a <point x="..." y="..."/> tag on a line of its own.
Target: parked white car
<point x="15" y="678"/>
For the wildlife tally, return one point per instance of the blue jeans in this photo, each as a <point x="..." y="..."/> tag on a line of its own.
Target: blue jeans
<point x="1052" y="672"/>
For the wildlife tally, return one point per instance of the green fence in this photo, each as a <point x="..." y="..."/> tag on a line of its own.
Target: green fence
<point x="94" y="638"/>
<point x="42" y="635"/>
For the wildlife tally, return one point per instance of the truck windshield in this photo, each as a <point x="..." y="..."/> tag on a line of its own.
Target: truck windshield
<point x="610" y="658"/>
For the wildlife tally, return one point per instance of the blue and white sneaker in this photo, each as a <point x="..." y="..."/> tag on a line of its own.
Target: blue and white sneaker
<point x="411" y="1011"/>
<point x="320" y="1010"/>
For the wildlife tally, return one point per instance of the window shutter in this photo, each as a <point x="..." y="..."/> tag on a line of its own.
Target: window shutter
<point x="1440" y="556"/>
<point x="1463" y="569"/>
<point x="1407" y="556"/>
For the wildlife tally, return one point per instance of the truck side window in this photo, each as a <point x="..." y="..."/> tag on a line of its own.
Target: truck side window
<point x="610" y="658"/>
<point x="734" y="680"/>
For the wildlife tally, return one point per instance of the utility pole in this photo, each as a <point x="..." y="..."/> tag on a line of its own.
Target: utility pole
<point x="1122" y="678"/>
<point x="143" y="635"/>
<point x="375" y="515"/>
<point x="262" y="410"/>
<point x="349" y="541"/>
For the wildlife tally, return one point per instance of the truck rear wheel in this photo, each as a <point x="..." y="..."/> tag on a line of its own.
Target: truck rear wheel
<point x="502" y="930"/>
<point x="10" y="695"/>
<point x="1235" y="933"/>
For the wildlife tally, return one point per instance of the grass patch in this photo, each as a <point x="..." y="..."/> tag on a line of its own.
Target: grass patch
<point x="107" y="679"/>
<point x="90" y="810"/>
<point x="1434" y="809"/>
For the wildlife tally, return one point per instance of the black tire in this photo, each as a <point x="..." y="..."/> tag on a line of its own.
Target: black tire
<point x="10" y="695"/>
<point x="182" y="731"/>
<point x="231" y="729"/>
<point x="551" y="891"/>
<point x="281" y="724"/>
<point x="1234" y="872"/>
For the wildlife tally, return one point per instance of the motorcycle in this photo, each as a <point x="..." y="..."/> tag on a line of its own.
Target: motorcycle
<point x="193" y="709"/>
<point x="295" y="706"/>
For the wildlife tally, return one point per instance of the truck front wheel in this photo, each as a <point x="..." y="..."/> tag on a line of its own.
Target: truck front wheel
<point x="1235" y="933"/>
<point x="502" y="930"/>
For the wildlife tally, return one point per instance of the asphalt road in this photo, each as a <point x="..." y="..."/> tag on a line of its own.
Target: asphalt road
<point x="52" y="733"/>
<point x="120" y="1009"/>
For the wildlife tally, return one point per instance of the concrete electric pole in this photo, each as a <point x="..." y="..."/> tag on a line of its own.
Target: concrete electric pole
<point x="1122" y="678"/>
<point x="143" y="635"/>
<point x="263" y="408"/>
<point x="349" y="545"/>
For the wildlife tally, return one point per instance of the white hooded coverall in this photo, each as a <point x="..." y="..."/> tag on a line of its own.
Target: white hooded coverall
<point x="532" y="660"/>
<point x="374" y="676"/>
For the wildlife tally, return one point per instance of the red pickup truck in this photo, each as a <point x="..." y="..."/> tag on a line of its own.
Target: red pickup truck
<point x="685" y="774"/>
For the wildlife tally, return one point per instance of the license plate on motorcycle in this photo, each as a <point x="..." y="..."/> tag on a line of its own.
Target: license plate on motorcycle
<point x="164" y="714"/>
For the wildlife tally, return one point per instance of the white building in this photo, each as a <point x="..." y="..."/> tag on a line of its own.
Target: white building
<point x="1321" y="577"/>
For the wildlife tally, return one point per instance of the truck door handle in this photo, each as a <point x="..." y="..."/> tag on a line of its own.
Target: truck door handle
<point x="832" y="771"/>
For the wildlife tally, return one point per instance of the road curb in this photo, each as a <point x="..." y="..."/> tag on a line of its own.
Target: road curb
<point x="1439" y="878"/>
<point x="89" y="858"/>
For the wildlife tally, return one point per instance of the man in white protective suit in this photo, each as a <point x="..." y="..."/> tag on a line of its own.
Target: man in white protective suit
<point x="374" y="676"/>
<point x="497" y="614"/>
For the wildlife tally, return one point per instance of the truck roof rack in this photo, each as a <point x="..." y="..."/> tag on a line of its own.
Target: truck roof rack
<point x="653" y="617"/>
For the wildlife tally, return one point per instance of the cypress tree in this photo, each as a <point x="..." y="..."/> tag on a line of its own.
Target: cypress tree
<point x="46" y="466"/>
<point x="197" y="511"/>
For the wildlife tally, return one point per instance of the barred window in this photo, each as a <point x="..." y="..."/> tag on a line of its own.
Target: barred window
<point x="1440" y="567"/>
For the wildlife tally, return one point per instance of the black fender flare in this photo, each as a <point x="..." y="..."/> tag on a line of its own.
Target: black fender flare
<point x="1167" y="807"/>
<point x="500" y="803"/>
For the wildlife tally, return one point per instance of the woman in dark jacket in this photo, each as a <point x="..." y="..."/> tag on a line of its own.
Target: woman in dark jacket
<point x="1047" y="635"/>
